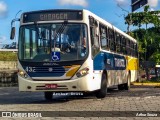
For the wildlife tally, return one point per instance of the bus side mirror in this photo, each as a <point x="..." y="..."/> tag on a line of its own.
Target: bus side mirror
<point x="12" y="35"/>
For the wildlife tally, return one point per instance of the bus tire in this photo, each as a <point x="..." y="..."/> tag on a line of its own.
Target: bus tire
<point x="128" y="84"/>
<point x="48" y="95"/>
<point x="101" y="93"/>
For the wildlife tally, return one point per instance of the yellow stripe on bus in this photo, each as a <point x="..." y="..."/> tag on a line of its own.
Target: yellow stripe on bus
<point x="72" y="71"/>
<point x="132" y="63"/>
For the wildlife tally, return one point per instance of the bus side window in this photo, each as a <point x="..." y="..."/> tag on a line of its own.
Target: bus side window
<point x="127" y="47"/>
<point x="136" y="50"/>
<point x="124" y="46"/>
<point x="94" y="38"/>
<point x="118" y="43"/>
<point x="103" y="37"/>
<point x="121" y="49"/>
<point x="111" y="36"/>
<point x="107" y="38"/>
<point x="131" y="48"/>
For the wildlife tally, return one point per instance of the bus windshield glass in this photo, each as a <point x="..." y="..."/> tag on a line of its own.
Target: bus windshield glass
<point x="53" y="42"/>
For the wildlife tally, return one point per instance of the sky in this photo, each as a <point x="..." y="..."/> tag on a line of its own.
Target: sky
<point x="112" y="11"/>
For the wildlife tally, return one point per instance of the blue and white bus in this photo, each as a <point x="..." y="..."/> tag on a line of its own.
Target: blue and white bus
<point x="73" y="50"/>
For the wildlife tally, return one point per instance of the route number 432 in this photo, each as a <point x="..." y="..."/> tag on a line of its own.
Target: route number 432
<point x="29" y="69"/>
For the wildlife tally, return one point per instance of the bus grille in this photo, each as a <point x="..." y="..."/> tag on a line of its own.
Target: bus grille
<point x="48" y="71"/>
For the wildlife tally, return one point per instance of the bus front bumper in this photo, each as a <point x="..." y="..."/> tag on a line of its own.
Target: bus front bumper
<point x="84" y="84"/>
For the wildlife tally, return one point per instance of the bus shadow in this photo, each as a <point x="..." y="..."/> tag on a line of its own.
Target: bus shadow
<point x="135" y="91"/>
<point x="13" y="96"/>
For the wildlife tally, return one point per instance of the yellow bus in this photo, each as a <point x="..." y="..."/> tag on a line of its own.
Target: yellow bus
<point x="73" y="50"/>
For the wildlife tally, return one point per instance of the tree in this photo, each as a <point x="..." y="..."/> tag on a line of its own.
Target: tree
<point x="140" y="18"/>
<point x="150" y="44"/>
<point x="147" y="38"/>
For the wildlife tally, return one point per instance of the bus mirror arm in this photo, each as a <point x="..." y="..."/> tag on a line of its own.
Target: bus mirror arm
<point x="12" y="35"/>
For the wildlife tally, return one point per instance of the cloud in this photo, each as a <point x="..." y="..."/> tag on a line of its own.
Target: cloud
<point x="153" y="3"/>
<point x="122" y="2"/>
<point x="152" y="9"/>
<point x="82" y="3"/>
<point x="3" y="38"/>
<point x="3" y="9"/>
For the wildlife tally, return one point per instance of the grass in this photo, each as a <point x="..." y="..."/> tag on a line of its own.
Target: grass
<point x="8" y="56"/>
<point x="154" y="80"/>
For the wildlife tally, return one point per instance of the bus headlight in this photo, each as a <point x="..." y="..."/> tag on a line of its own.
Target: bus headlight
<point x="82" y="72"/>
<point x="23" y="74"/>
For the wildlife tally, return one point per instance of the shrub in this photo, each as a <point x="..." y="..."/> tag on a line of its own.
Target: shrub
<point x="8" y="56"/>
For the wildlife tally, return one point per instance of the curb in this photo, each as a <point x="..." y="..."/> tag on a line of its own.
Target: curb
<point x="147" y="84"/>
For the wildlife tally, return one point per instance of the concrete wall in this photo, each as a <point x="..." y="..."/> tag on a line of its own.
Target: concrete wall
<point x="4" y="65"/>
<point x="8" y="73"/>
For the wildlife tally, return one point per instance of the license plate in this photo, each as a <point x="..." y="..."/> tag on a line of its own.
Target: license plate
<point x="50" y="86"/>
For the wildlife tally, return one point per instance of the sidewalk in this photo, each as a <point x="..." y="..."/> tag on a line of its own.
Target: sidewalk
<point x="147" y="84"/>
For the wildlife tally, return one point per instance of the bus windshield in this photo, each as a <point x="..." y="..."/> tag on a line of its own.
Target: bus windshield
<point x="53" y="42"/>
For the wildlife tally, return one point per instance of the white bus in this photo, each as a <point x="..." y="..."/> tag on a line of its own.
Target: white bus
<point x="73" y="50"/>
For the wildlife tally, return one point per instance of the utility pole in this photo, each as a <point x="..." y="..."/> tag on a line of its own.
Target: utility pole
<point x="130" y="18"/>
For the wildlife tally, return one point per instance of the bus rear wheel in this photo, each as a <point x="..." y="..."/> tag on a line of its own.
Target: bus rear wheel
<point x="48" y="95"/>
<point x="125" y="86"/>
<point x="128" y="84"/>
<point x="101" y="93"/>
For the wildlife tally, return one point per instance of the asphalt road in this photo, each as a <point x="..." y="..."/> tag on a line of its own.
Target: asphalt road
<point x="140" y="102"/>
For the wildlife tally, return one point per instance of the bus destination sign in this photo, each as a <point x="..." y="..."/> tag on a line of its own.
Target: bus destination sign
<point x="52" y="15"/>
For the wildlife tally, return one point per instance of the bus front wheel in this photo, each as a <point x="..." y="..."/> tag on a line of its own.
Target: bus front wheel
<point x="48" y="95"/>
<point x="101" y="93"/>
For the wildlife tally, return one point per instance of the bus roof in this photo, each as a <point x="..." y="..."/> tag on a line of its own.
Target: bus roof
<point x="109" y="25"/>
